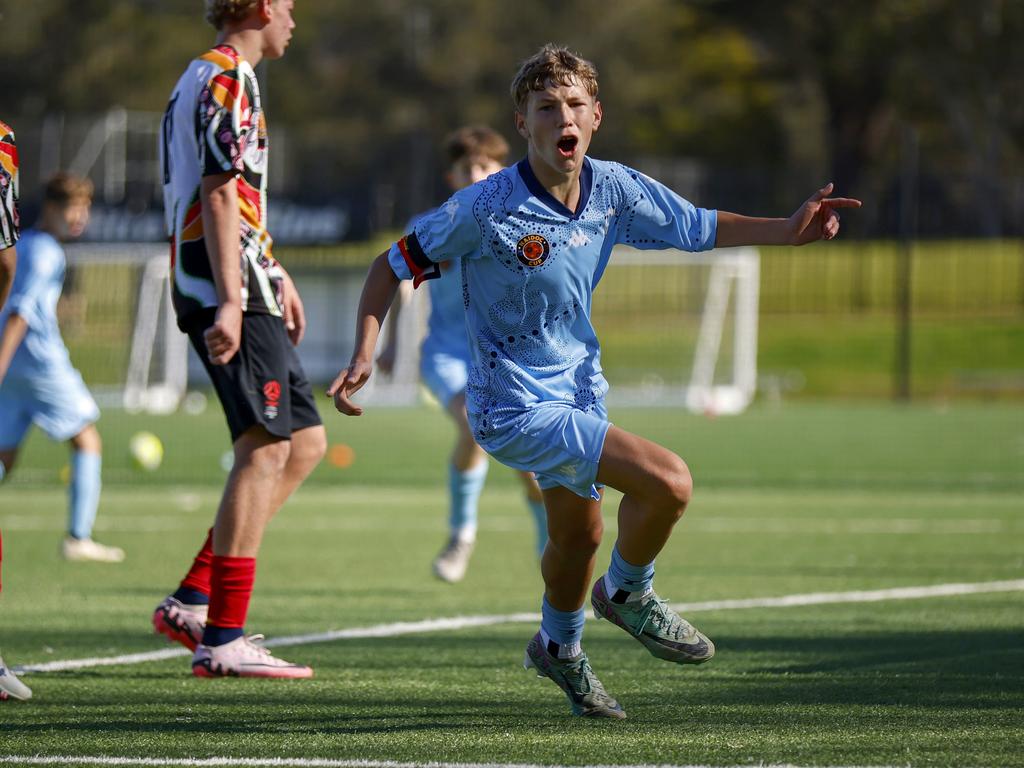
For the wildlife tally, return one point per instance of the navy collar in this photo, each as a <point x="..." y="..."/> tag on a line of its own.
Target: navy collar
<point x="539" y="191"/>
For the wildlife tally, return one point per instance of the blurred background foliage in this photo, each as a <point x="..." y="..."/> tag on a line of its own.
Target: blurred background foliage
<point x="743" y="104"/>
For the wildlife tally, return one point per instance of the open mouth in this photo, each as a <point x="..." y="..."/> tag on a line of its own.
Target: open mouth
<point x="567" y="146"/>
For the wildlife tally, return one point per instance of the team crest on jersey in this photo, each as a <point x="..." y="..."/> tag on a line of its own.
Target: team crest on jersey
<point x="533" y="250"/>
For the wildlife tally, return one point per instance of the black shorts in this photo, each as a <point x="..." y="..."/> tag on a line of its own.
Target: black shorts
<point x="263" y="384"/>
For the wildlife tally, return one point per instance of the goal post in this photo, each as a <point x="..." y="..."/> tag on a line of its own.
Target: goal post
<point x="120" y="327"/>
<point x="680" y="329"/>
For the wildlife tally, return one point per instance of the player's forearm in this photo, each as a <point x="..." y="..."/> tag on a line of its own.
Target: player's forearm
<point x="12" y="335"/>
<point x="8" y="261"/>
<point x="378" y="294"/>
<point x="734" y="230"/>
<point x="221" y="224"/>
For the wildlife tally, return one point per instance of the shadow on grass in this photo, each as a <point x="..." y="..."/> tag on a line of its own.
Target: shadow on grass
<point x="445" y="683"/>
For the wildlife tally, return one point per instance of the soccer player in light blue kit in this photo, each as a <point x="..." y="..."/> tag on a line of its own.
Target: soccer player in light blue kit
<point x="474" y="153"/>
<point x="37" y="381"/>
<point x="533" y="242"/>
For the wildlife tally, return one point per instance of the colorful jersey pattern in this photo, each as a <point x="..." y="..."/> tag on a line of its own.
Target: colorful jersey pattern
<point x="529" y="267"/>
<point x="215" y="124"/>
<point x="8" y="187"/>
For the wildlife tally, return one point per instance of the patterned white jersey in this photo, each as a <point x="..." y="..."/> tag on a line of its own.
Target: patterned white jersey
<point x="8" y="187"/>
<point x="215" y="124"/>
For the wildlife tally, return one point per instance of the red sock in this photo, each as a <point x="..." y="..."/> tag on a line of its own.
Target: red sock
<point x="198" y="577"/>
<point x="231" y="583"/>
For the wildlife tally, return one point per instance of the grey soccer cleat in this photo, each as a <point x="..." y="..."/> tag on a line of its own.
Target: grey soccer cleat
<point x="586" y="695"/>
<point x="11" y="686"/>
<point x="450" y="565"/>
<point x="663" y="632"/>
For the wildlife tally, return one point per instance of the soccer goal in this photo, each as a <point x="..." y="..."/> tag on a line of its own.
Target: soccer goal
<point x="119" y="326"/>
<point x="680" y="329"/>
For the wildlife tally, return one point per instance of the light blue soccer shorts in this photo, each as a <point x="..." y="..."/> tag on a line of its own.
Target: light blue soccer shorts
<point x="445" y="373"/>
<point x="558" y="442"/>
<point x="58" y="402"/>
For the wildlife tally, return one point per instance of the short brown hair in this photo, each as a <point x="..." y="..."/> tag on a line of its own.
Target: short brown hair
<point x="557" y="64"/>
<point x="220" y="11"/>
<point x="66" y="188"/>
<point x="476" y="141"/>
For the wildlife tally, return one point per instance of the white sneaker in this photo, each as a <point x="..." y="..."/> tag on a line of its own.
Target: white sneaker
<point x="243" y="657"/>
<point x="11" y="686"/>
<point x="87" y="550"/>
<point x="450" y="565"/>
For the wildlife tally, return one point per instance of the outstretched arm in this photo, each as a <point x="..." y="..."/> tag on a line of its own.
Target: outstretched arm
<point x="378" y="293"/>
<point x="816" y="219"/>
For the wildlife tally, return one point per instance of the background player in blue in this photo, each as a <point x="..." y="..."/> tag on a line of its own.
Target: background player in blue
<point x="474" y="153"/>
<point x="533" y="242"/>
<point x="37" y="381"/>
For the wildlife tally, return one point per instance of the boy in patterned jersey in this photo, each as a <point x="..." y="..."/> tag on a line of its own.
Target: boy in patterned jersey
<point x="38" y="383"/>
<point x="244" y="318"/>
<point x="474" y="153"/>
<point x="534" y="241"/>
<point x="10" y="685"/>
<point x="8" y="209"/>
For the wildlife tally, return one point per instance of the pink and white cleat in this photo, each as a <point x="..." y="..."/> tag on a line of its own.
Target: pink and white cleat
<point x="11" y="687"/>
<point x="179" y="622"/>
<point x="244" y="657"/>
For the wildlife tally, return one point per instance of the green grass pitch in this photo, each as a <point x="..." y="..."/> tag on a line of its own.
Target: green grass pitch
<point x="791" y="500"/>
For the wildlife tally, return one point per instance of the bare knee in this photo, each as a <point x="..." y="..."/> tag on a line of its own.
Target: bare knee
<point x="674" y="487"/>
<point x="577" y="542"/>
<point x="268" y="459"/>
<point x="308" y="447"/>
<point x="88" y="440"/>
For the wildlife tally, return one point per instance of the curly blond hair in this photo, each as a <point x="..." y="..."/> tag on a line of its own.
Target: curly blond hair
<point x="220" y="11"/>
<point x="557" y="64"/>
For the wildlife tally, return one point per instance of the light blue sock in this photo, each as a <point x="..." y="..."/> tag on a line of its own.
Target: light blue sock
<point x="561" y="628"/>
<point x="464" y="492"/>
<point x="84" y="493"/>
<point x="629" y="577"/>
<point x="540" y="518"/>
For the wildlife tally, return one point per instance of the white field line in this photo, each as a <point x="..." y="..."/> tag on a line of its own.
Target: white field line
<point x="397" y="629"/>
<point x="288" y="762"/>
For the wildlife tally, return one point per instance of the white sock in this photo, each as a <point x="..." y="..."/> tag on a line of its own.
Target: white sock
<point x="610" y="587"/>
<point x="565" y="650"/>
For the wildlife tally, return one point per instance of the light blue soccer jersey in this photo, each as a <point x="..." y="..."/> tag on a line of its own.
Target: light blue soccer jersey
<point x="38" y="282"/>
<point x="529" y="267"/>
